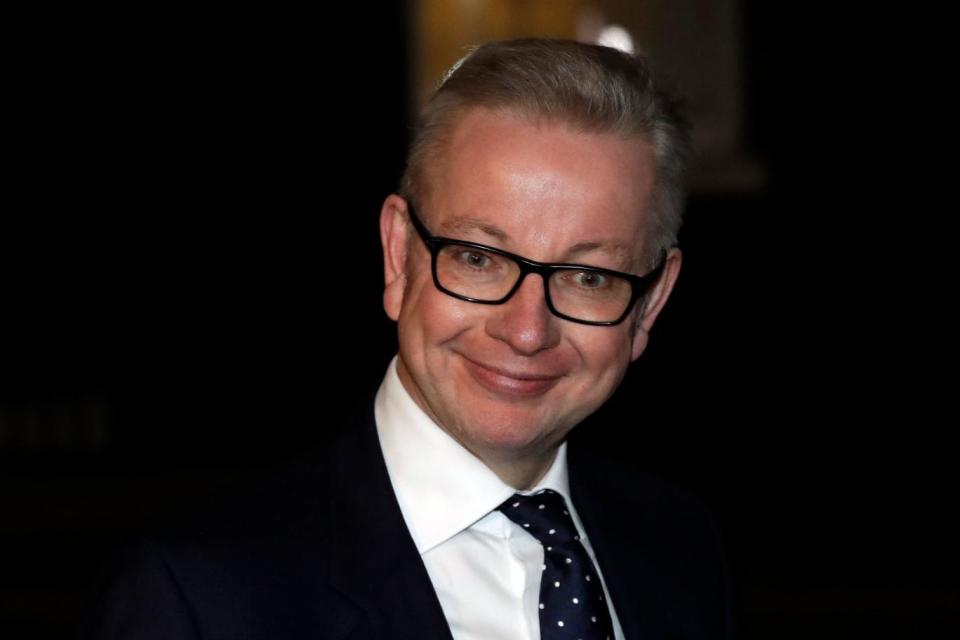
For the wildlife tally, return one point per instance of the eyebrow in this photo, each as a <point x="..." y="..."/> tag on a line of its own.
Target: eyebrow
<point x="460" y="224"/>
<point x="620" y="251"/>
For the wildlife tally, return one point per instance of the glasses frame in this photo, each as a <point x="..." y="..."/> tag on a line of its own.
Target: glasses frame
<point x="639" y="284"/>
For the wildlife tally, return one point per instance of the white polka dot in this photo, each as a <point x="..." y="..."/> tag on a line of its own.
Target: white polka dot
<point x="559" y="623"/>
<point x="516" y="504"/>
<point x="541" y="507"/>
<point x="577" y="538"/>
<point x="601" y="598"/>
<point x="556" y="584"/>
<point x="576" y="601"/>
<point x="549" y="548"/>
<point x="588" y="577"/>
<point x="569" y="561"/>
<point x="565" y="512"/>
<point x="543" y="568"/>
<point x="526" y="525"/>
<point x="552" y="531"/>
<point x="593" y="618"/>
<point x="541" y="605"/>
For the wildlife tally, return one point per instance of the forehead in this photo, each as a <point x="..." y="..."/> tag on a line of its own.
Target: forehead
<point x="541" y="189"/>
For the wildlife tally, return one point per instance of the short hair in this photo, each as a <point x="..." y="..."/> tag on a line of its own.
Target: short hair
<point x="588" y="87"/>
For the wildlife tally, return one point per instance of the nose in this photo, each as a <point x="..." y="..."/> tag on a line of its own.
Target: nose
<point x="524" y="321"/>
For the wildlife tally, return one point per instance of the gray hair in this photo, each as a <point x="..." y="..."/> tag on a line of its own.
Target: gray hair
<point x="588" y="87"/>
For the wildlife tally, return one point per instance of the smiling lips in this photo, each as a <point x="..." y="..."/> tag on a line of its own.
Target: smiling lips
<point x="510" y="383"/>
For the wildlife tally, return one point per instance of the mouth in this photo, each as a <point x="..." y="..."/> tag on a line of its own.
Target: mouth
<point x="511" y="384"/>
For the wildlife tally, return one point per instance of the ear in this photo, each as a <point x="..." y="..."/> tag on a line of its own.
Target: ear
<point x="394" y="238"/>
<point x="654" y="302"/>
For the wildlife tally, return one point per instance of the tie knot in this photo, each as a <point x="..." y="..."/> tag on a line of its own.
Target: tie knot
<point x="544" y="515"/>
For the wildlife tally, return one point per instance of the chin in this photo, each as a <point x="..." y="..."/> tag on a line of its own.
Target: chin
<point x="507" y="432"/>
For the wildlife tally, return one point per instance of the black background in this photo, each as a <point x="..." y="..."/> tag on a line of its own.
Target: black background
<point x="189" y="245"/>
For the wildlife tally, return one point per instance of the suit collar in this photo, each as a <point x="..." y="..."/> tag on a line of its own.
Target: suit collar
<point x="374" y="562"/>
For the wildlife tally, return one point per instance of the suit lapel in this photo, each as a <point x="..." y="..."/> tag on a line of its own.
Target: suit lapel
<point x="374" y="562"/>
<point x="623" y="550"/>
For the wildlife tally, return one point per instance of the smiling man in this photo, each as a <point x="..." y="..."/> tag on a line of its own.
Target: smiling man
<point x="526" y="258"/>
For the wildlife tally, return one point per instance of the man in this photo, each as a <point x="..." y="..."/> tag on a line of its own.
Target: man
<point x="525" y="260"/>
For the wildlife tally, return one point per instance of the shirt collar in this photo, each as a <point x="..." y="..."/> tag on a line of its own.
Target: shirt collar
<point x="441" y="487"/>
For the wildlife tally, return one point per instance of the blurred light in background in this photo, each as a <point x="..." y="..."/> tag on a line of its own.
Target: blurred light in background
<point x="695" y="45"/>
<point x="616" y="37"/>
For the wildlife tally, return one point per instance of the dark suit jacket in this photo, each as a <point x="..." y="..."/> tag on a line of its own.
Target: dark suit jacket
<point x="323" y="552"/>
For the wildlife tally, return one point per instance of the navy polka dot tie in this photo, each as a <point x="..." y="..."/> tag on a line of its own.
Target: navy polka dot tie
<point x="572" y="605"/>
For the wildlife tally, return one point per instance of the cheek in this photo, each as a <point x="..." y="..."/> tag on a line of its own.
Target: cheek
<point x="605" y="355"/>
<point x="430" y="317"/>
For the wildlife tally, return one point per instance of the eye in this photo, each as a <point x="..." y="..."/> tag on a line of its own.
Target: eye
<point x="589" y="279"/>
<point x="474" y="259"/>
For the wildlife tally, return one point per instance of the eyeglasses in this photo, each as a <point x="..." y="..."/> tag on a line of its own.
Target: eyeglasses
<point x="575" y="292"/>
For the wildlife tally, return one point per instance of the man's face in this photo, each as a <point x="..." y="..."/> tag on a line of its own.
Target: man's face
<point x="511" y="380"/>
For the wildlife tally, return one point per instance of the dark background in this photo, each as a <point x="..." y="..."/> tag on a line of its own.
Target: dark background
<point x="190" y="286"/>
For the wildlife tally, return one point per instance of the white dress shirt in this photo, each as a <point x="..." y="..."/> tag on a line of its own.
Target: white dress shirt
<point x="484" y="567"/>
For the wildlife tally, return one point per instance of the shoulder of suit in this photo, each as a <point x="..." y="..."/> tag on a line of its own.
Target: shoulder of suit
<point x="278" y="507"/>
<point x="643" y="494"/>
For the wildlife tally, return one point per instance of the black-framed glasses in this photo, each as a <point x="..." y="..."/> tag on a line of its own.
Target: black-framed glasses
<point x="487" y="275"/>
